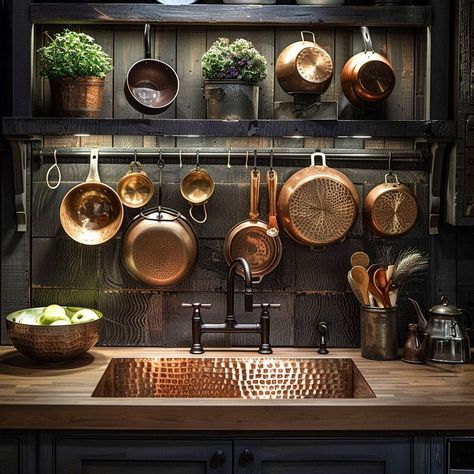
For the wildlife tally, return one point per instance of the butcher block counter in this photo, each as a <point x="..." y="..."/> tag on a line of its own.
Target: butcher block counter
<point x="37" y="395"/>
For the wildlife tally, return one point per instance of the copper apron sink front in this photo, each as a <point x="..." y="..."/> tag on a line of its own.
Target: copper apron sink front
<point x="243" y="378"/>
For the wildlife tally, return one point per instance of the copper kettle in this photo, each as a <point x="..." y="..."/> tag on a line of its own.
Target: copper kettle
<point x="446" y="339"/>
<point x="304" y="67"/>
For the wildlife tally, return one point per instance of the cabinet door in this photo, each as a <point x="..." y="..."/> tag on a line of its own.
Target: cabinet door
<point x="101" y="455"/>
<point x="17" y="454"/>
<point x="324" y="456"/>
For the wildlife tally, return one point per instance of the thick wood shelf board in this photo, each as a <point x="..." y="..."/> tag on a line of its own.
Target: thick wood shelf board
<point x="214" y="14"/>
<point x="221" y="128"/>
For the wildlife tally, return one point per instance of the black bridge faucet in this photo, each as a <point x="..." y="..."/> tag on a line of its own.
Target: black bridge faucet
<point x="230" y="325"/>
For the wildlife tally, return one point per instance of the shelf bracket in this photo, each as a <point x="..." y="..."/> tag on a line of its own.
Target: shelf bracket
<point x="21" y="152"/>
<point x="439" y="152"/>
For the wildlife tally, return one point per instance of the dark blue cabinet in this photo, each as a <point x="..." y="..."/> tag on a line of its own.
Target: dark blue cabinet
<point x="17" y="453"/>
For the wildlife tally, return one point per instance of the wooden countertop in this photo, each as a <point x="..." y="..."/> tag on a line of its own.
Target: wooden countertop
<point x="58" y="396"/>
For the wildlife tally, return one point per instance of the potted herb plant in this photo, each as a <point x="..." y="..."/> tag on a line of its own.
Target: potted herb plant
<point x="76" y="68"/>
<point x="232" y="72"/>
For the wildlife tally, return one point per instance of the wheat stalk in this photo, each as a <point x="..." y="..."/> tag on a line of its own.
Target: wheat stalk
<point x="408" y="262"/>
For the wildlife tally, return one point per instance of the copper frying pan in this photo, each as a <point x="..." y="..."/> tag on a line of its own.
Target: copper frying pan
<point x="91" y="213"/>
<point x="318" y="205"/>
<point x="160" y="246"/>
<point x="249" y="239"/>
<point x="368" y="77"/>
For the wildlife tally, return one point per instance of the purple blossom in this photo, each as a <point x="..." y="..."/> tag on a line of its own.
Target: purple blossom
<point x="232" y="73"/>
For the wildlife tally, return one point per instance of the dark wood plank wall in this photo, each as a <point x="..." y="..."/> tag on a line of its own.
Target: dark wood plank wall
<point x="311" y="286"/>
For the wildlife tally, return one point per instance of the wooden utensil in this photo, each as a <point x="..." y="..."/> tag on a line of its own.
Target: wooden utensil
<point x="360" y="259"/>
<point x="361" y="281"/>
<point x="383" y="285"/>
<point x="354" y="288"/>
<point x="373" y="290"/>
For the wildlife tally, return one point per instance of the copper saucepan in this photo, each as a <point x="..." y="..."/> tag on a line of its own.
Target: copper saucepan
<point x="390" y="208"/>
<point x="151" y="85"/>
<point x="368" y="77"/>
<point x="135" y="188"/>
<point x="318" y="205"/>
<point x="91" y="213"/>
<point x="160" y="246"/>
<point x="249" y="239"/>
<point x="304" y="67"/>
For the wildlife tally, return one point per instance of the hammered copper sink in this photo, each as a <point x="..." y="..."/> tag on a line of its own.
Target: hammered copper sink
<point x="243" y="378"/>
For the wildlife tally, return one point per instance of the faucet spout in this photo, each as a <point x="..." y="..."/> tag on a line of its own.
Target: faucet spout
<point x="248" y="295"/>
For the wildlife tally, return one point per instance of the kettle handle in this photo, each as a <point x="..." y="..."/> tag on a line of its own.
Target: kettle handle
<point x="309" y="33"/>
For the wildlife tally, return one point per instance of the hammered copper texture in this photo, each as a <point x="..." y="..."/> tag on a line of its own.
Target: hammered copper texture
<point x="54" y="343"/>
<point x="322" y="210"/>
<point x="243" y="378"/>
<point x="314" y="65"/>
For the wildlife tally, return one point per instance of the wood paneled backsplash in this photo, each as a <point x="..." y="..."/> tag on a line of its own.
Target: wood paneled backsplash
<point x="310" y="286"/>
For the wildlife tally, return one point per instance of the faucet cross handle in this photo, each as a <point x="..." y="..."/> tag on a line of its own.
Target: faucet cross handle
<point x="196" y="305"/>
<point x="266" y="305"/>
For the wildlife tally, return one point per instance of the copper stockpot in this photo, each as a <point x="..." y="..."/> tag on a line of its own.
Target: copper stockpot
<point x="135" y="188"/>
<point x="304" y="67"/>
<point x="318" y="205"/>
<point x="160" y="246"/>
<point x="249" y="239"/>
<point x="390" y="208"/>
<point x="151" y="85"/>
<point x="91" y="213"/>
<point x="368" y="77"/>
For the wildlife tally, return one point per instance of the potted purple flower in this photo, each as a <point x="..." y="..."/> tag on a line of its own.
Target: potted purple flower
<point x="231" y="73"/>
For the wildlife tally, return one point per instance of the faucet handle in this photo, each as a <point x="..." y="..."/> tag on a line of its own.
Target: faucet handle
<point x="196" y="305"/>
<point x="266" y="305"/>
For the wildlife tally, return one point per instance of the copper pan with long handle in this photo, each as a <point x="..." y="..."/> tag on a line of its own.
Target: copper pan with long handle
<point x="249" y="239"/>
<point x="91" y="213"/>
<point x="318" y="205"/>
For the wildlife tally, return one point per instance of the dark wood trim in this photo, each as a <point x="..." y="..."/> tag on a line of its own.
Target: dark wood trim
<point x="129" y="13"/>
<point x="14" y="127"/>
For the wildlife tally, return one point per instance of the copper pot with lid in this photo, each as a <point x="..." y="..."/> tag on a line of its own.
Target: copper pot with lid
<point x="368" y="77"/>
<point x="304" y="67"/>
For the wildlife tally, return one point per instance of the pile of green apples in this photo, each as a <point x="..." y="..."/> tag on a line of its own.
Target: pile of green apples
<point x="55" y="315"/>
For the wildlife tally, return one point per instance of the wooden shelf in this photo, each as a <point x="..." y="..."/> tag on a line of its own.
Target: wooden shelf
<point x="216" y="14"/>
<point x="25" y="127"/>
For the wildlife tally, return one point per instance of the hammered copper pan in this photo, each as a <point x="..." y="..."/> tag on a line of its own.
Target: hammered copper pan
<point x="390" y="208"/>
<point x="318" y="205"/>
<point x="249" y="239"/>
<point x="135" y="188"/>
<point x="160" y="246"/>
<point x="91" y="213"/>
<point x="368" y="77"/>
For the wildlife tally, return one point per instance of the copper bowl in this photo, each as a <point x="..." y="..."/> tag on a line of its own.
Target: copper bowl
<point x="53" y="343"/>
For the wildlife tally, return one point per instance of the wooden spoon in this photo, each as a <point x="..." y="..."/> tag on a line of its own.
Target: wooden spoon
<point x="360" y="259"/>
<point x="361" y="281"/>
<point x="354" y="288"/>
<point x="374" y="291"/>
<point x="383" y="285"/>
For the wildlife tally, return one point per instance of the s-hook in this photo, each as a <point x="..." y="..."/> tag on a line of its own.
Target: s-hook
<point x="55" y="165"/>
<point x="229" y="165"/>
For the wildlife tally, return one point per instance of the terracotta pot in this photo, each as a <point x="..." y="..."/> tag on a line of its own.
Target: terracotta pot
<point x="77" y="96"/>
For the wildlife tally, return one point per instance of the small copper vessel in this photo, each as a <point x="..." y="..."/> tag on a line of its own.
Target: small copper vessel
<point x="135" y="188"/>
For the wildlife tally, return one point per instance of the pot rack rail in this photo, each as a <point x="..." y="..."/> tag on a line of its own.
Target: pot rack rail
<point x="435" y="154"/>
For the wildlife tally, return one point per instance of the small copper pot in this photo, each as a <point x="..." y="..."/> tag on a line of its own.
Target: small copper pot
<point x="135" y="189"/>
<point x="304" y="67"/>
<point x="368" y="77"/>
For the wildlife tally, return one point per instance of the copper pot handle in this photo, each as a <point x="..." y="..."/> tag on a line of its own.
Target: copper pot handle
<point x="195" y="219"/>
<point x="272" y="183"/>
<point x="391" y="175"/>
<point x="93" y="176"/>
<point x="147" y="41"/>
<point x="366" y="39"/>
<point x="309" y="33"/>
<point x="254" y="194"/>
<point x="323" y="158"/>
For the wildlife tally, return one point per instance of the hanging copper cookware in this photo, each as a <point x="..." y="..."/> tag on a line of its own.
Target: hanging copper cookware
<point x="368" y="77"/>
<point x="304" y="67"/>
<point x="160" y="246"/>
<point x="390" y="208"/>
<point x="197" y="187"/>
<point x="249" y="239"/>
<point x="135" y="188"/>
<point x="318" y="205"/>
<point x="91" y="213"/>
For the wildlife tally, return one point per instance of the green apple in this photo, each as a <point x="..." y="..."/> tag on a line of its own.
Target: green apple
<point x="26" y="319"/>
<point x="51" y="314"/>
<point x="54" y="309"/>
<point x="83" y="316"/>
<point x="61" y="322"/>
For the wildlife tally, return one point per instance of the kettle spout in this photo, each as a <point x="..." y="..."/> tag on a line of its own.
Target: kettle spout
<point x="422" y="323"/>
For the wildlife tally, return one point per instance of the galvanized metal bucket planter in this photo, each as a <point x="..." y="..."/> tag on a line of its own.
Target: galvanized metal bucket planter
<point x="231" y="100"/>
<point x="77" y="96"/>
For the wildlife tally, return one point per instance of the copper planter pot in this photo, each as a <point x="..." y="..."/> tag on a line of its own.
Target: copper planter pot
<point x="77" y="96"/>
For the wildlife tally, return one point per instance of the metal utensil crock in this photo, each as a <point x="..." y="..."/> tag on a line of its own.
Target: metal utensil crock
<point x="378" y="333"/>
